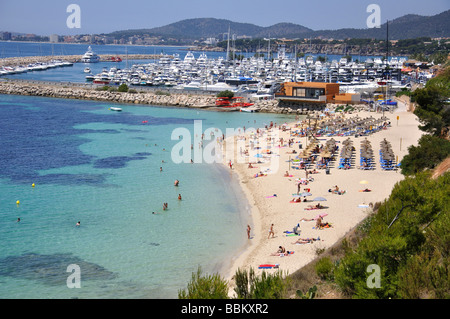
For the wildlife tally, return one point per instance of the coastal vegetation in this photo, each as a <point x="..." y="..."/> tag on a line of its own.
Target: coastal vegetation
<point x="248" y="286"/>
<point x="227" y="93"/>
<point x="408" y="239"/>
<point x="433" y="112"/>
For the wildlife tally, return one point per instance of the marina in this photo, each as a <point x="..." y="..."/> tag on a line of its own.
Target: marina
<point x="250" y="77"/>
<point x="254" y="75"/>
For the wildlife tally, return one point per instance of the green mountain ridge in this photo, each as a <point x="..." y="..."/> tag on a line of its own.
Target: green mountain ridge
<point x="406" y="27"/>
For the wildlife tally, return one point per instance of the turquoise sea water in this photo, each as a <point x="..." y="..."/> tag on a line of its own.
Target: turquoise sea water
<point x="102" y="168"/>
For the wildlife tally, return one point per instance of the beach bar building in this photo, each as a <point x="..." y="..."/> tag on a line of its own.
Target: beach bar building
<point x="313" y="94"/>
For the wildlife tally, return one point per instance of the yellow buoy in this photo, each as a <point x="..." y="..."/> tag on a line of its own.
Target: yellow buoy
<point x="32" y="185"/>
<point x="18" y="202"/>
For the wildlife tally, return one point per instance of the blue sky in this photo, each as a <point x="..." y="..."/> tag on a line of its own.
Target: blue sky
<point x="46" y="17"/>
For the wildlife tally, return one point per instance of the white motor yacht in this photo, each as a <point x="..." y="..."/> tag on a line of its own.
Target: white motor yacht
<point x="90" y="57"/>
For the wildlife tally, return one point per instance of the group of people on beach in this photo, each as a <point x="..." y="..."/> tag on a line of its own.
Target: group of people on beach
<point x="302" y="184"/>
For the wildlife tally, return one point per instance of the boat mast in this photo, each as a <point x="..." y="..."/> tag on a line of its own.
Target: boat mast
<point x="228" y="44"/>
<point x="387" y="64"/>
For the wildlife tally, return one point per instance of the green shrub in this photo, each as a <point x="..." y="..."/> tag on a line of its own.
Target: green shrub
<point x="123" y="88"/>
<point x="226" y="93"/>
<point x="266" y="286"/>
<point x="324" y="268"/>
<point x="162" y="93"/>
<point x="430" y="152"/>
<point x="102" y="88"/>
<point x="205" y="287"/>
<point x="310" y="294"/>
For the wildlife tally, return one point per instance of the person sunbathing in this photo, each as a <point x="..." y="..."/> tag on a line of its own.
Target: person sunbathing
<point x="336" y="190"/>
<point x="306" y="240"/>
<point x="320" y="224"/>
<point x="281" y="250"/>
<point x="311" y="207"/>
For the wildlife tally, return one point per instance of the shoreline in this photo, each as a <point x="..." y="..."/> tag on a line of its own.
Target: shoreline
<point x="343" y="211"/>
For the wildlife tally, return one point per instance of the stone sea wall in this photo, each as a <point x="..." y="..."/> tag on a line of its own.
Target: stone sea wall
<point x="25" y="60"/>
<point x="162" y="98"/>
<point x="85" y="93"/>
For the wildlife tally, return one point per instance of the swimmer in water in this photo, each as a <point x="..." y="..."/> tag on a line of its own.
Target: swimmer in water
<point x="179" y="196"/>
<point x="176" y="182"/>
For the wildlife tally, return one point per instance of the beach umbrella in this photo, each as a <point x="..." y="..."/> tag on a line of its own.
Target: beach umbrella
<point x="319" y="199"/>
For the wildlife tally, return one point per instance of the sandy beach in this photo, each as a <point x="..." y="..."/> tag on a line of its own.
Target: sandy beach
<point x="343" y="212"/>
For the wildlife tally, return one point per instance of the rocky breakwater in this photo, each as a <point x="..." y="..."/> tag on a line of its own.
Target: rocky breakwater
<point x="26" y="60"/>
<point x="84" y="93"/>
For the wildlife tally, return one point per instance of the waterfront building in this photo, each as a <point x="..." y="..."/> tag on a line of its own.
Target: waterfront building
<point x="54" y="38"/>
<point x="315" y="93"/>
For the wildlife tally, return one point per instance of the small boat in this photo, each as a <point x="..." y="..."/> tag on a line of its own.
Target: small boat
<point x="87" y="70"/>
<point x="248" y="109"/>
<point x="114" y="108"/>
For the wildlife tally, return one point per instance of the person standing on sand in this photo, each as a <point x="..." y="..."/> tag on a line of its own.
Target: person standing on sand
<point x="248" y="231"/>
<point x="271" y="232"/>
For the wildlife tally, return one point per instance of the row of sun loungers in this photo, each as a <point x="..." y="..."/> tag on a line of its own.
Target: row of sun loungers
<point x="366" y="156"/>
<point x="387" y="158"/>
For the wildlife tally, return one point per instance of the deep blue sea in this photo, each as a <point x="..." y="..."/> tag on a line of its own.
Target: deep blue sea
<point x="102" y="168"/>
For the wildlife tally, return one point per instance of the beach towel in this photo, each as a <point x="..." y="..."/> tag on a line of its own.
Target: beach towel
<point x="268" y="266"/>
<point x="328" y="225"/>
<point x="286" y="254"/>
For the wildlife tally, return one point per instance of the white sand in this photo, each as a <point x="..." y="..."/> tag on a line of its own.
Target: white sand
<point x="343" y="211"/>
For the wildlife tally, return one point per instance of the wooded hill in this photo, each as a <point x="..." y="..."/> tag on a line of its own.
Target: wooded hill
<point x="405" y="27"/>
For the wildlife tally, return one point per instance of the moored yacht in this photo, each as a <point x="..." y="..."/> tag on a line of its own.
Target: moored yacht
<point x="90" y="56"/>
